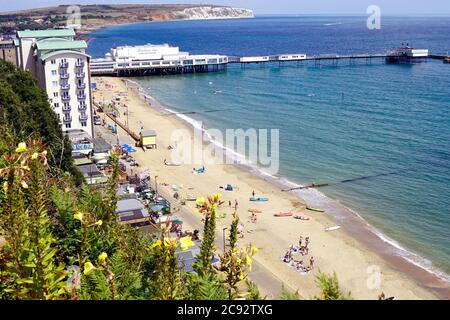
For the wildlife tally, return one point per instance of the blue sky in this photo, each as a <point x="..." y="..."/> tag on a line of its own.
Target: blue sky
<point x="408" y="7"/>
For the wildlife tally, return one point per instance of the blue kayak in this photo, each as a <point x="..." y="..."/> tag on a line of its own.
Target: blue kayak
<point x="259" y="199"/>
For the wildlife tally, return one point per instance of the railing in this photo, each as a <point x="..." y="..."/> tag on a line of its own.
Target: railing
<point x="65" y="98"/>
<point x="66" y="108"/>
<point x="64" y="75"/>
<point x="82" y="107"/>
<point x="83" y="117"/>
<point x="65" y="86"/>
<point x="81" y="85"/>
<point x="64" y="64"/>
<point x="80" y="75"/>
<point x="67" y="119"/>
<point x="81" y="97"/>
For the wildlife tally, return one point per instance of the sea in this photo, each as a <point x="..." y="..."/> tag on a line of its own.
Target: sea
<point x="378" y="134"/>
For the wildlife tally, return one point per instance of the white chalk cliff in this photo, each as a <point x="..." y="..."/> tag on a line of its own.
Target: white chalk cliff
<point x="207" y="12"/>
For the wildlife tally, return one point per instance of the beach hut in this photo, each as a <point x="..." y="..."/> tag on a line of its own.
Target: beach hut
<point x="148" y="139"/>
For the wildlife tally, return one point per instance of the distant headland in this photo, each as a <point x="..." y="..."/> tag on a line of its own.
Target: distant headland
<point x="98" y="16"/>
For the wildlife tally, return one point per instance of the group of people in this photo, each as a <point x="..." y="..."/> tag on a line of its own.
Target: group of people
<point x="302" y="249"/>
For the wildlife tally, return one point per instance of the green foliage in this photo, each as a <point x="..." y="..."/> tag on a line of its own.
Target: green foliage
<point x="32" y="265"/>
<point x="206" y="288"/>
<point x="288" y="295"/>
<point x="329" y="284"/>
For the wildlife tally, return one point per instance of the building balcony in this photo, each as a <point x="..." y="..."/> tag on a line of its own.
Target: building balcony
<point x="83" y="117"/>
<point x="81" y="97"/>
<point x="64" y="64"/>
<point x="66" y="108"/>
<point x="80" y="75"/>
<point x="82" y="107"/>
<point x="65" y="86"/>
<point x="81" y="85"/>
<point x="65" y="98"/>
<point x="67" y="119"/>
<point x="79" y="64"/>
<point x="64" y="75"/>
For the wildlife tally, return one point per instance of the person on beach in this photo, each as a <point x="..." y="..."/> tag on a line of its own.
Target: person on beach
<point x="229" y="203"/>
<point x="235" y="204"/>
<point x="300" y="240"/>
<point x="311" y="263"/>
<point x="253" y="193"/>
<point x="306" y="242"/>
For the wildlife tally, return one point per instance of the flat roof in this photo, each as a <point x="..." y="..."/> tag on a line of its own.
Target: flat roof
<point x="129" y="205"/>
<point x="46" y="33"/>
<point x="61" y="44"/>
<point x="148" y="133"/>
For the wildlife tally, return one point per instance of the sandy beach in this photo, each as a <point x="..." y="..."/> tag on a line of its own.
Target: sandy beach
<point x="338" y="251"/>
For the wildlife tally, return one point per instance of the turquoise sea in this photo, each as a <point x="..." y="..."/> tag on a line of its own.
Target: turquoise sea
<point x="383" y="127"/>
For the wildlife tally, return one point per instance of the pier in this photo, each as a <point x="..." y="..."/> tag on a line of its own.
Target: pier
<point x="164" y="60"/>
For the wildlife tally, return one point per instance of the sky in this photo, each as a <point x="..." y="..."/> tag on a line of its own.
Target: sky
<point x="359" y="7"/>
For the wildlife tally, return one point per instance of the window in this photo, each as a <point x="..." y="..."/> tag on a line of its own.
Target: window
<point x="55" y="84"/>
<point x="56" y="105"/>
<point x="66" y="104"/>
<point x="53" y="61"/>
<point x="54" y="72"/>
<point x="55" y="94"/>
<point x="84" y="124"/>
<point x="68" y="125"/>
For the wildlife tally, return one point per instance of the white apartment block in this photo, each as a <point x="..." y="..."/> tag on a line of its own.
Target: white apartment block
<point x="61" y="67"/>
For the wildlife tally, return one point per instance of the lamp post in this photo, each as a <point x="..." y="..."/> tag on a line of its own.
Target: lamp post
<point x="156" y="184"/>
<point x="117" y="133"/>
<point x="224" y="244"/>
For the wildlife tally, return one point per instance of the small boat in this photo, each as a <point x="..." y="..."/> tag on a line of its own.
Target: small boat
<point x="315" y="209"/>
<point x="284" y="214"/>
<point x="259" y="199"/>
<point x="333" y="228"/>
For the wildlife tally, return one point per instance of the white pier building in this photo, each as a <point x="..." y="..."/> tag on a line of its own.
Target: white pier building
<point x="155" y="59"/>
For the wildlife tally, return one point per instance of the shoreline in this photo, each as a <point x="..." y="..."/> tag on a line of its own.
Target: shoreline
<point x="352" y="226"/>
<point x="400" y="257"/>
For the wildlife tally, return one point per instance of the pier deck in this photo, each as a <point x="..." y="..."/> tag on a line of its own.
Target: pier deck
<point x="219" y="63"/>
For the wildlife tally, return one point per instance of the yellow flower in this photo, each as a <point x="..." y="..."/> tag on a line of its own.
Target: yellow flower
<point x="98" y="223"/>
<point x="238" y="261"/>
<point x="26" y="168"/>
<point x="24" y="184"/>
<point x="88" y="267"/>
<point x="217" y="197"/>
<point x="35" y="156"/>
<point x="201" y="201"/>
<point x="254" y="250"/>
<point x="78" y="216"/>
<point x="241" y="276"/>
<point x="102" y="257"/>
<point x="157" y="243"/>
<point x="186" y="243"/>
<point x="248" y="261"/>
<point x="5" y="186"/>
<point x="21" y="147"/>
<point x="44" y="153"/>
